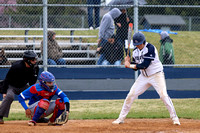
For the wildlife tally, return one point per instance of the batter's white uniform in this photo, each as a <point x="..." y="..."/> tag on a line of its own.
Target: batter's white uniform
<point x="151" y="76"/>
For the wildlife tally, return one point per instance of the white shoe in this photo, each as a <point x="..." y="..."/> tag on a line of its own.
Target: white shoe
<point x="91" y="28"/>
<point x="32" y="123"/>
<point x="176" y="121"/>
<point x="118" y="121"/>
<point x="97" y="28"/>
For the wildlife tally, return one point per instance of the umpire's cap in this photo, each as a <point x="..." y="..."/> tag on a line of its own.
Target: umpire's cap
<point x="30" y="55"/>
<point x="138" y="38"/>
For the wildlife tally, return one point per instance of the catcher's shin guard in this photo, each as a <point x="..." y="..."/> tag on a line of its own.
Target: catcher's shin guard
<point x="43" y="105"/>
<point x="59" y="108"/>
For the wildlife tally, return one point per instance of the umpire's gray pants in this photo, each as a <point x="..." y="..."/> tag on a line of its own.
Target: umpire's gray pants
<point x="7" y="101"/>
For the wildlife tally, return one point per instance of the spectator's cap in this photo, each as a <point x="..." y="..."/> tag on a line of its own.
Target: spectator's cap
<point x="164" y="34"/>
<point x="113" y="36"/>
<point x="138" y="38"/>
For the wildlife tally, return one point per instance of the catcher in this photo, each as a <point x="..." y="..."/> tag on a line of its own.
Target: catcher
<point x="40" y="104"/>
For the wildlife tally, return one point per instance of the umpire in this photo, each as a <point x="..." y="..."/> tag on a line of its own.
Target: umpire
<point x="20" y="76"/>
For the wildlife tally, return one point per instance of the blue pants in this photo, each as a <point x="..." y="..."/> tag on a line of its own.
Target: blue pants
<point x="90" y="13"/>
<point x="57" y="62"/>
<point x="117" y="63"/>
<point x="101" y="58"/>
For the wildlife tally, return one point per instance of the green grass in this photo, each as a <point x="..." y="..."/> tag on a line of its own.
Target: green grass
<point x="110" y="109"/>
<point x="186" y="44"/>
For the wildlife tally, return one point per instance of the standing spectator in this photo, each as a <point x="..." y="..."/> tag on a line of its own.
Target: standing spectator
<point x="145" y="59"/>
<point x="21" y="74"/>
<point x="112" y="51"/>
<point x="107" y="29"/>
<point x="166" y="53"/>
<point x="54" y="50"/>
<point x="40" y="104"/>
<point x="90" y="13"/>
<point x="122" y="23"/>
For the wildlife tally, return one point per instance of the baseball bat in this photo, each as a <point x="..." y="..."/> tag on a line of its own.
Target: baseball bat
<point x="130" y="29"/>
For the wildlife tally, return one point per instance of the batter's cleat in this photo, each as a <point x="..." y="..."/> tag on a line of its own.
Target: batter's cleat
<point x="118" y="121"/>
<point x="32" y="123"/>
<point x="1" y="121"/>
<point x="176" y="121"/>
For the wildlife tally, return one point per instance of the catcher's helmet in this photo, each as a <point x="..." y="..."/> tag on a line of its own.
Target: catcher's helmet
<point x="45" y="79"/>
<point x="29" y="55"/>
<point x="138" y="38"/>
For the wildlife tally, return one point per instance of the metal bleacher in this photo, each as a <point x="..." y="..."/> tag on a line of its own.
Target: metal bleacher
<point x="75" y="53"/>
<point x="72" y="56"/>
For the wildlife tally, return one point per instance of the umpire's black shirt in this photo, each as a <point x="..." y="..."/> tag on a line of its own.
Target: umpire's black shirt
<point x="19" y="75"/>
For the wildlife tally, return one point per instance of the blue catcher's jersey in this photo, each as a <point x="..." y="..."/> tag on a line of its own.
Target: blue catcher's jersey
<point x="36" y="92"/>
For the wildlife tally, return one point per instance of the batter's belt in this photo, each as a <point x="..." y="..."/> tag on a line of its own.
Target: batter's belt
<point x="145" y="74"/>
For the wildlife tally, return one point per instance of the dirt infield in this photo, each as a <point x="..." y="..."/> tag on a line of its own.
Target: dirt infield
<point x="105" y="126"/>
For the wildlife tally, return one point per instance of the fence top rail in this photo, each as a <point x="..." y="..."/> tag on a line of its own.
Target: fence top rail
<point x="41" y="36"/>
<point x="68" y="59"/>
<point x="64" y="51"/>
<point x="55" y="29"/>
<point x="77" y="59"/>
<point x="32" y="43"/>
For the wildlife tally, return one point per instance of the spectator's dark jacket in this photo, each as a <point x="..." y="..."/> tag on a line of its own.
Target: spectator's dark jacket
<point x="112" y="52"/>
<point x="122" y="32"/>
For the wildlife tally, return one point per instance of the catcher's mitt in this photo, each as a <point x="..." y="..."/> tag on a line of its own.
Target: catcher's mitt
<point x="62" y="119"/>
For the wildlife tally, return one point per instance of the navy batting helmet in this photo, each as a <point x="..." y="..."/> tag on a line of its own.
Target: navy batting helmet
<point x="46" y="78"/>
<point x="138" y="38"/>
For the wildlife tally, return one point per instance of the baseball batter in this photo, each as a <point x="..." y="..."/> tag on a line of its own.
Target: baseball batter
<point x="145" y="58"/>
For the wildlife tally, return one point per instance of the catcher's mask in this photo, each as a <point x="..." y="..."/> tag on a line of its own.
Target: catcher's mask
<point x="30" y="56"/>
<point x="47" y="81"/>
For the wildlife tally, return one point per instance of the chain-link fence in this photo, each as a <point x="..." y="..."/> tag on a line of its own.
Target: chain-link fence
<point x="76" y="24"/>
